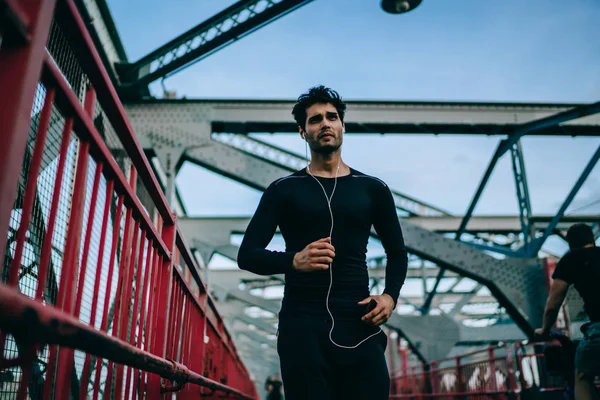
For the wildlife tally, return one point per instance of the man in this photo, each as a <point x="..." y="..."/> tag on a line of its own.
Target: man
<point x="580" y="267"/>
<point x="329" y="343"/>
<point x="273" y="387"/>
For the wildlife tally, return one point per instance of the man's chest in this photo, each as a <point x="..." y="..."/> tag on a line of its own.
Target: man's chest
<point x="350" y="207"/>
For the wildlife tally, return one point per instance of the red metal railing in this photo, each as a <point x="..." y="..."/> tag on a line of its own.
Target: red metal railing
<point x="503" y="372"/>
<point x="484" y="373"/>
<point x="100" y="295"/>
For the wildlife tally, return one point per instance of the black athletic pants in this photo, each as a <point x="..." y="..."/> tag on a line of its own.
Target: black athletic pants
<point x="313" y="368"/>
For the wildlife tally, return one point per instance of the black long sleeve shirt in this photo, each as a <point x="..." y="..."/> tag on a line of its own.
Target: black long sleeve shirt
<point x="297" y="205"/>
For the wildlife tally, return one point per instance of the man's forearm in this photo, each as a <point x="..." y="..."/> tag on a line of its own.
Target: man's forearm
<point x="550" y="315"/>
<point x="265" y="262"/>
<point x="558" y="292"/>
<point x="395" y="274"/>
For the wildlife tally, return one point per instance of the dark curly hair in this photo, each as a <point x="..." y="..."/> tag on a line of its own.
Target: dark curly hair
<point x="317" y="95"/>
<point x="580" y="235"/>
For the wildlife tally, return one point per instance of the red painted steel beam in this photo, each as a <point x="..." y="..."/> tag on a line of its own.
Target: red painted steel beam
<point x="68" y="103"/>
<point x="87" y="241"/>
<point x="186" y="255"/>
<point x="138" y="290"/>
<point x="121" y="321"/>
<point x="30" y="321"/>
<point x="147" y="271"/>
<point x="47" y="246"/>
<point x="85" y="375"/>
<point x="162" y="308"/>
<point x="451" y="394"/>
<point x="123" y="262"/>
<point x="67" y="295"/>
<point x="20" y="69"/>
<point x="111" y="270"/>
<point x="82" y="44"/>
<point x="31" y="188"/>
<point x="14" y="23"/>
<point x="215" y="318"/>
<point x="70" y="270"/>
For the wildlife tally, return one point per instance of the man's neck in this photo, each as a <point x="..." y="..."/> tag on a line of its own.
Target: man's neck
<point x="328" y="165"/>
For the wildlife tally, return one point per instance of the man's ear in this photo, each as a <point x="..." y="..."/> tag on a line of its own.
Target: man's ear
<point x="302" y="133"/>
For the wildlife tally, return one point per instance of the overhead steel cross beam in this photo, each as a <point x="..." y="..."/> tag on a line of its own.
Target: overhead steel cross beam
<point x="507" y="144"/>
<point x="513" y="138"/>
<point x="380" y="117"/>
<point x="224" y="28"/>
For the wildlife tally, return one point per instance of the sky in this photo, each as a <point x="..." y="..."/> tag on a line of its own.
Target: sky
<point x="464" y="50"/>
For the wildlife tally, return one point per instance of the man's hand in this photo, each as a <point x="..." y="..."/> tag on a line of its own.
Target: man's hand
<point x="540" y="332"/>
<point x="382" y="312"/>
<point x="315" y="257"/>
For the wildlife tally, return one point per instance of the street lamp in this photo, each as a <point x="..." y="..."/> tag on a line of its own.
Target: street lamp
<point x="399" y="6"/>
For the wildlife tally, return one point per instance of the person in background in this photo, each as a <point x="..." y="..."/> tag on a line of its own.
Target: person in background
<point x="273" y="386"/>
<point x="579" y="267"/>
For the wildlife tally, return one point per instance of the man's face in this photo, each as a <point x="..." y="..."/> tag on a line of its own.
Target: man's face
<point x="323" y="128"/>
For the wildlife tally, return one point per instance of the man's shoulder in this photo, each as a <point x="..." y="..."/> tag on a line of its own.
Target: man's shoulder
<point x="370" y="179"/>
<point x="565" y="260"/>
<point x="288" y="178"/>
<point x="581" y="257"/>
<point x="587" y="254"/>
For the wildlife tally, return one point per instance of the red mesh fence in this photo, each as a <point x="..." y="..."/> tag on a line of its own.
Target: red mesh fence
<point x="99" y="294"/>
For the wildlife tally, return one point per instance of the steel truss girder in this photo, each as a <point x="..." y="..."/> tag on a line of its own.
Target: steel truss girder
<point x="432" y="335"/>
<point x="539" y="241"/>
<point x="224" y="28"/>
<point x="375" y="117"/>
<point x="435" y="335"/>
<point x="522" y="190"/>
<point x="517" y="283"/>
<point x="497" y="224"/>
<point x="579" y="113"/>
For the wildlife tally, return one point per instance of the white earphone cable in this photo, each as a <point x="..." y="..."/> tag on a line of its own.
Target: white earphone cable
<point x="329" y="198"/>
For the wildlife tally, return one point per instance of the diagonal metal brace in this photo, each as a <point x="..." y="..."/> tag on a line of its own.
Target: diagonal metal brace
<point x="224" y="28"/>
<point x="513" y="137"/>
